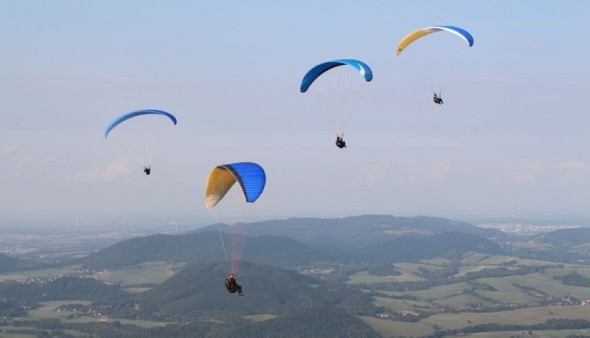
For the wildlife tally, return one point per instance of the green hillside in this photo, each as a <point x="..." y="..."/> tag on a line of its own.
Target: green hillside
<point x="8" y="263"/>
<point x="296" y="242"/>
<point x="202" y="247"/>
<point x="205" y="247"/>
<point x="566" y="237"/>
<point x="421" y="247"/>
<point x="198" y="291"/>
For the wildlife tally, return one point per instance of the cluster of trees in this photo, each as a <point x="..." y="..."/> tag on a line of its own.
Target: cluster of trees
<point x="574" y="278"/>
<point x="8" y="263"/>
<point x="440" y="274"/>
<point x="383" y="270"/>
<point x="10" y="308"/>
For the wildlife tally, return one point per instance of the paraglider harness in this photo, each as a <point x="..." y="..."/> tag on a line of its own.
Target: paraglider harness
<point x="437" y="99"/>
<point x="147" y="170"/>
<point x="340" y="142"/>
<point x="232" y="286"/>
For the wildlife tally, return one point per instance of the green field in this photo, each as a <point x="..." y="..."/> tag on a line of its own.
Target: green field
<point x="542" y="282"/>
<point x="259" y="318"/>
<point x="526" y="316"/>
<point x="440" y="291"/>
<point x="499" y="260"/>
<point x="459" y="302"/>
<point x="506" y="292"/>
<point x="437" y="261"/>
<point x="146" y="273"/>
<point x="48" y="310"/>
<point x="366" y="277"/>
<point x="414" y="268"/>
<point x="400" y="304"/>
<point x="5" y="333"/>
<point x="41" y="273"/>
<point x="464" y="270"/>
<point x="536" y="334"/>
<point x="390" y="328"/>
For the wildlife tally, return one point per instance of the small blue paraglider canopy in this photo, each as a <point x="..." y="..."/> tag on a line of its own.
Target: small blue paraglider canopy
<point x="132" y="114"/>
<point x="320" y="69"/>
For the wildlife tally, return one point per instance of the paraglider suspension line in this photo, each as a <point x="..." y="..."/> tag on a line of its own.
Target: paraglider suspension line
<point x="229" y="268"/>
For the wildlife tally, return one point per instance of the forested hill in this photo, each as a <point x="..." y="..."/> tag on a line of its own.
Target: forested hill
<point x="359" y="231"/>
<point x="198" y="290"/>
<point x="422" y="247"/>
<point x="202" y="247"/>
<point x="280" y="251"/>
<point x="296" y="242"/>
<point x="8" y="263"/>
<point x="565" y="237"/>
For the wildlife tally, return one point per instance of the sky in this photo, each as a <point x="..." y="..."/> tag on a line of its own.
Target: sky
<point x="511" y="137"/>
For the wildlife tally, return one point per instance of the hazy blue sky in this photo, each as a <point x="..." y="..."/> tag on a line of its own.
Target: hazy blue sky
<point x="512" y="135"/>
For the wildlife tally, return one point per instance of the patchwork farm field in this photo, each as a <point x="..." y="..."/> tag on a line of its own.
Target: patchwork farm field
<point x="527" y="292"/>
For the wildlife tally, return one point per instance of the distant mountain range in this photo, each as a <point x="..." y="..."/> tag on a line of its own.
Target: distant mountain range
<point x="295" y="242"/>
<point x="358" y="231"/>
<point x="202" y="247"/>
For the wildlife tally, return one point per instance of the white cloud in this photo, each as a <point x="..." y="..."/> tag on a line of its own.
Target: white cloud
<point x="108" y="173"/>
<point x="574" y="172"/>
<point x="414" y="172"/>
<point x="376" y="172"/>
<point x="527" y="173"/>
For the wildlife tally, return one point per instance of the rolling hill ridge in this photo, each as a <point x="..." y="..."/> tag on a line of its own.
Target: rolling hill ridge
<point x="368" y="240"/>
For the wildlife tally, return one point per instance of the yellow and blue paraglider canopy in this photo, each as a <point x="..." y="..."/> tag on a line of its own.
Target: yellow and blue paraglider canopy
<point x="249" y="175"/>
<point x="460" y="32"/>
